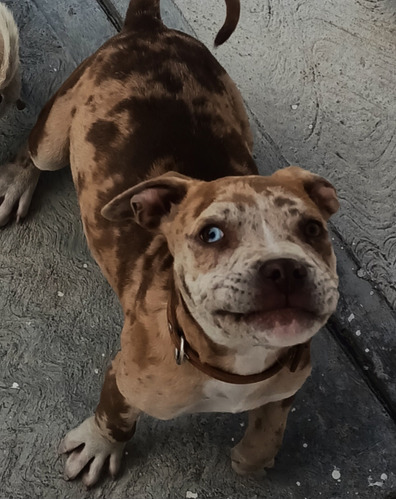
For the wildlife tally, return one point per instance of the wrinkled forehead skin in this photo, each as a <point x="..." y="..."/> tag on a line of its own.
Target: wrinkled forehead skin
<point x="257" y="208"/>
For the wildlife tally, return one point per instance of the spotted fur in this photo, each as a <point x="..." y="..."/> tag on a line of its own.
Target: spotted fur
<point x="160" y="147"/>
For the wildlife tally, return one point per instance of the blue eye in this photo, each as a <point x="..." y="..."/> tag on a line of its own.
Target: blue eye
<point x="211" y="234"/>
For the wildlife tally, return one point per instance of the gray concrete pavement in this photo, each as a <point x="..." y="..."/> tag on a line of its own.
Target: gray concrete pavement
<point x="60" y="321"/>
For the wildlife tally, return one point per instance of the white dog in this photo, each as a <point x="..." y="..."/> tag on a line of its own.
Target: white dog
<point x="10" y="77"/>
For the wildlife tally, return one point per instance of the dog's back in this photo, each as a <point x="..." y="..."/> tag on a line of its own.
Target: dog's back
<point x="150" y="100"/>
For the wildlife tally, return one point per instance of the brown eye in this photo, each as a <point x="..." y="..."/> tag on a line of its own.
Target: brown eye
<point x="211" y="234"/>
<point x="313" y="228"/>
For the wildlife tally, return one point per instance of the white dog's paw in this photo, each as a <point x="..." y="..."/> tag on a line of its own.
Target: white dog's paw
<point x="18" y="180"/>
<point x="89" y="451"/>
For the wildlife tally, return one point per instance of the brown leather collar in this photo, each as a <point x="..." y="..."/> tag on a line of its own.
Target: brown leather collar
<point x="184" y="351"/>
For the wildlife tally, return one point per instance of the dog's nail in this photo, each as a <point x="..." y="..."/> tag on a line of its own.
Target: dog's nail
<point x="61" y="448"/>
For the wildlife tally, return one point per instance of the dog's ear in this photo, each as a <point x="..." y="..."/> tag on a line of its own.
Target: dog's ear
<point x="321" y="192"/>
<point x="148" y="202"/>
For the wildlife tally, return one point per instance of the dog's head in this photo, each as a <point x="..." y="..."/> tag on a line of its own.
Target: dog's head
<point x="252" y="255"/>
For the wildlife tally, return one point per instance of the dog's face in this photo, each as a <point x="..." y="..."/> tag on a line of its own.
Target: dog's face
<point x="252" y="256"/>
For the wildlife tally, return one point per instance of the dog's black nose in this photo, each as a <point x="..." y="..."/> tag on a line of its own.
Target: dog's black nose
<point x="285" y="275"/>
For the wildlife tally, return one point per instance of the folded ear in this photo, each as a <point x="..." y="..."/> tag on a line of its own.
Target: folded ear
<point x="148" y="202"/>
<point x="321" y="192"/>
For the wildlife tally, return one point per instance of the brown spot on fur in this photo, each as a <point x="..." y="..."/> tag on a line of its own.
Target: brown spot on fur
<point x="126" y="253"/>
<point x="81" y="182"/>
<point x="294" y="212"/>
<point x="166" y="50"/>
<point x="166" y="263"/>
<point x="101" y="135"/>
<point x="90" y="104"/>
<point x="281" y="201"/>
<point x="203" y="157"/>
<point x="150" y="261"/>
<point x="170" y="81"/>
<point x="111" y="407"/>
<point x="242" y="199"/>
<point x="258" y="423"/>
<point x="73" y="111"/>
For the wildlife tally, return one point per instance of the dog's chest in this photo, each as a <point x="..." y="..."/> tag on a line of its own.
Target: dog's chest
<point x="219" y="396"/>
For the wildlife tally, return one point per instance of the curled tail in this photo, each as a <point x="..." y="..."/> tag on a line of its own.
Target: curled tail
<point x="151" y="8"/>
<point x="228" y="28"/>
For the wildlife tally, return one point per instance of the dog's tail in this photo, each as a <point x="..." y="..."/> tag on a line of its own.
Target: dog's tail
<point x="151" y="8"/>
<point x="9" y="46"/>
<point x="136" y="8"/>
<point x="228" y="28"/>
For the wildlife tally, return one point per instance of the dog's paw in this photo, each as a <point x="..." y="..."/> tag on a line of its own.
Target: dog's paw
<point x="89" y="451"/>
<point x="18" y="180"/>
<point x="248" y="465"/>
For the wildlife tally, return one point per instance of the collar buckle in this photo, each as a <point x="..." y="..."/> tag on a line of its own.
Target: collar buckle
<point x="180" y="355"/>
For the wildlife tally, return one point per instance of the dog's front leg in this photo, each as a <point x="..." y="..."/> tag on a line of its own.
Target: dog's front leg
<point x="102" y="437"/>
<point x="18" y="180"/>
<point x="262" y="438"/>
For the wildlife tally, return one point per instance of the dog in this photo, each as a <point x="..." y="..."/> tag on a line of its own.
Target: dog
<point x="223" y="275"/>
<point x="10" y="76"/>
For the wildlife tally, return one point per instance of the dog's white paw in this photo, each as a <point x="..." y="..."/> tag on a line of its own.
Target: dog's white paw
<point x="89" y="451"/>
<point x="18" y="180"/>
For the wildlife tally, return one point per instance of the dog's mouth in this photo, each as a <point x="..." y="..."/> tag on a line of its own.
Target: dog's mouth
<point x="280" y="322"/>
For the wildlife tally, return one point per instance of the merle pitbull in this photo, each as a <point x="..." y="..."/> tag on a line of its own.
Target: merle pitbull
<point x="231" y="271"/>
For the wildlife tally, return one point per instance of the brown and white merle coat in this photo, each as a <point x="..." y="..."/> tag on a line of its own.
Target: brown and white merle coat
<point x="177" y="218"/>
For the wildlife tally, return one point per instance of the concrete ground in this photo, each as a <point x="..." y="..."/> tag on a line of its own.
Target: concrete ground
<point x="318" y="79"/>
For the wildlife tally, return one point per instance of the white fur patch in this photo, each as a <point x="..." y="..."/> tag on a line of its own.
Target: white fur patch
<point x="9" y="63"/>
<point x="270" y="241"/>
<point x="232" y="398"/>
